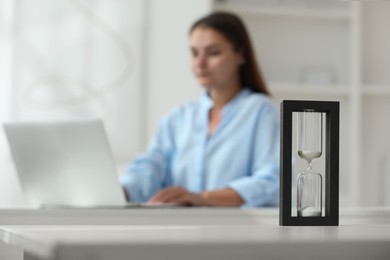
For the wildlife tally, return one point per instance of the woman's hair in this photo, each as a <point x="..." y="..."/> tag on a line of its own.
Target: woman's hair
<point x="233" y="29"/>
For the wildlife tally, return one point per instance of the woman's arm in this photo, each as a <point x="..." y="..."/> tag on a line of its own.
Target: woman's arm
<point x="261" y="187"/>
<point x="147" y="173"/>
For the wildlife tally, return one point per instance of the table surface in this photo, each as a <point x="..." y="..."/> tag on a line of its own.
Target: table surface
<point x="176" y="216"/>
<point x="196" y="233"/>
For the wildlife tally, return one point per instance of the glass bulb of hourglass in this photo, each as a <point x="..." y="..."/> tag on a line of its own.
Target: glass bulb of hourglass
<point x="309" y="182"/>
<point x="309" y="193"/>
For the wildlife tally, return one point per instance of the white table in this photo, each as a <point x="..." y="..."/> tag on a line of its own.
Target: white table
<point x="175" y="216"/>
<point x="138" y="216"/>
<point x="196" y="234"/>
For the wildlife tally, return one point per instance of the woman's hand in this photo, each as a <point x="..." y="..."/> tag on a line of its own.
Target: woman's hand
<point x="178" y="195"/>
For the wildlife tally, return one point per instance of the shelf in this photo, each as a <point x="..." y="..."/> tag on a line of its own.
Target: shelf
<point x="376" y="90"/>
<point x="287" y="12"/>
<point x="308" y="89"/>
<point x="345" y="39"/>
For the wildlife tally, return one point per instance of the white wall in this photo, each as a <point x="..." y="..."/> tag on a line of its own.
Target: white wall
<point x="10" y="191"/>
<point x="57" y="42"/>
<point x="72" y="59"/>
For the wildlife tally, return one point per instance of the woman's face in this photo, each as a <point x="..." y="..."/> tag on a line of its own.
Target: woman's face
<point x="214" y="61"/>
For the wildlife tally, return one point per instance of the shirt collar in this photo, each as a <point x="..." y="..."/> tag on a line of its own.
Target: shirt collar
<point x="230" y="107"/>
<point x="206" y="101"/>
<point x="227" y="111"/>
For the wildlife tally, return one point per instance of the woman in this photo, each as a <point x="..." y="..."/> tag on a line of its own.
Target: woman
<point x="222" y="150"/>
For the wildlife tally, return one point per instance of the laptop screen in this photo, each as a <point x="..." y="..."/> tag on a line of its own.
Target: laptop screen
<point x="65" y="163"/>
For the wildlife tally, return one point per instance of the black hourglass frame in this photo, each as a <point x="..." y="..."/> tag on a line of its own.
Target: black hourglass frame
<point x="332" y="110"/>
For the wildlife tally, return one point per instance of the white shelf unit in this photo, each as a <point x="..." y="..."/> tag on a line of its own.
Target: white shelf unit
<point x="332" y="50"/>
<point x="375" y="78"/>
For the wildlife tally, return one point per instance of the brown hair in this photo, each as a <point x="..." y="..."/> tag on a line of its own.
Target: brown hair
<point x="232" y="27"/>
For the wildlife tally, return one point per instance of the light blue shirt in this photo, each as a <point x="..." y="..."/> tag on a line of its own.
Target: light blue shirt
<point x="242" y="154"/>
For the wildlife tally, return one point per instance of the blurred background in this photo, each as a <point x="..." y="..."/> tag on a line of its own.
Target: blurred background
<point x="127" y="62"/>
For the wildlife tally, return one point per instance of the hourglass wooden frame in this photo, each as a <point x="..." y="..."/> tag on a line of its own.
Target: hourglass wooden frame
<point x="332" y="111"/>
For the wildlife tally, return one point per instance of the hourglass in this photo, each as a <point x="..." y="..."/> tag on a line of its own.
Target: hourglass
<point x="310" y="140"/>
<point x="309" y="182"/>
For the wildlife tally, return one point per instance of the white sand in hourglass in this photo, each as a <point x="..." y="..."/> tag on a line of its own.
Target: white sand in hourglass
<point x="309" y="212"/>
<point x="309" y="155"/>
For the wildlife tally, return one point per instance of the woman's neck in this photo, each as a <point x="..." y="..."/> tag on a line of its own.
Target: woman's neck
<point x="221" y="97"/>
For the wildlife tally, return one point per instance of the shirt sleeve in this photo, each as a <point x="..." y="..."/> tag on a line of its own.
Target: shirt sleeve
<point x="261" y="187"/>
<point x="149" y="172"/>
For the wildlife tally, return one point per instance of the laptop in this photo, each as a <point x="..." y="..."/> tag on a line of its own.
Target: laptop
<point x="65" y="164"/>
